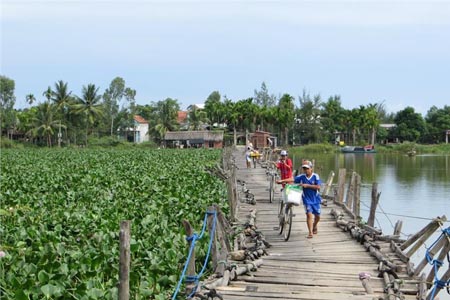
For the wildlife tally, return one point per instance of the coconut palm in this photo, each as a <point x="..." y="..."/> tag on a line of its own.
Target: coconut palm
<point x="89" y="105"/>
<point x="167" y="111"/>
<point x="61" y="96"/>
<point x="30" y="98"/>
<point x="48" y="93"/>
<point x="44" y="123"/>
<point x="197" y="117"/>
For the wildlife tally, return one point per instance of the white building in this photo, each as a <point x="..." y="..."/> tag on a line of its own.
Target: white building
<point x="140" y="130"/>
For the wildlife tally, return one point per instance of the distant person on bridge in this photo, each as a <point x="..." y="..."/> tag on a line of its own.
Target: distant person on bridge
<point x="284" y="164"/>
<point x="248" y="158"/>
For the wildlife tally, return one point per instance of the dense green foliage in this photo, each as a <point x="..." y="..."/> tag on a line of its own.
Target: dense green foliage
<point x="61" y="211"/>
<point x="67" y="119"/>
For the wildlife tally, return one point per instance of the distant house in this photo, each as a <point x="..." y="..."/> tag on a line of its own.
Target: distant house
<point x="182" y="119"/>
<point x="139" y="132"/>
<point x="194" y="139"/>
<point x="387" y="126"/>
<point x="262" y="139"/>
<point x="196" y="106"/>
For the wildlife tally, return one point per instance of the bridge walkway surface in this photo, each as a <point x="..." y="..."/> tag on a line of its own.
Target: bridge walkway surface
<point x="325" y="267"/>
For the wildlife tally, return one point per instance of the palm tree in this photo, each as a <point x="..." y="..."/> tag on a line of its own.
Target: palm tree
<point x="61" y="97"/>
<point x="48" y="93"/>
<point x="89" y="105"/>
<point x="30" y="98"/>
<point x="197" y="117"/>
<point x="167" y="112"/>
<point x="44" y="123"/>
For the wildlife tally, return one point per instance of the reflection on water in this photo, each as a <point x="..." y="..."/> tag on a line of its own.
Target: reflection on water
<point x="414" y="186"/>
<point x="413" y="189"/>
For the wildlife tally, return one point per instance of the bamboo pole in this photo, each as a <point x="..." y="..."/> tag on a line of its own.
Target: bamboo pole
<point x="190" y="271"/>
<point x="350" y="191"/>
<point x="328" y="184"/>
<point x="357" y="198"/>
<point x="222" y="240"/>
<point x="124" y="260"/>
<point x="423" y="238"/>
<point x="416" y="236"/>
<point x="444" y="278"/>
<point x="341" y="184"/>
<point x="422" y="288"/>
<point x="398" y="227"/>
<point x="445" y="250"/>
<point x="432" y="252"/>
<point x="373" y="205"/>
<point x="210" y="223"/>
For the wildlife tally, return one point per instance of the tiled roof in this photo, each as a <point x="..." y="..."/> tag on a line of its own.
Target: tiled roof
<point x="194" y="135"/>
<point x="182" y="116"/>
<point x="140" y="119"/>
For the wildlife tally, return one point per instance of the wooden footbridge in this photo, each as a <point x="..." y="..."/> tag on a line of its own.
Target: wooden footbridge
<point x="346" y="259"/>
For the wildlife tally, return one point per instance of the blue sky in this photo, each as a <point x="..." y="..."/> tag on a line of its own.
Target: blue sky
<point x="394" y="52"/>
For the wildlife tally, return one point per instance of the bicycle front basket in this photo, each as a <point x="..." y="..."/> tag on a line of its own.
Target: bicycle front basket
<point x="293" y="194"/>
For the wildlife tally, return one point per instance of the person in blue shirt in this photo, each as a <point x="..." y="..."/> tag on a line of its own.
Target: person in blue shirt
<point x="310" y="182"/>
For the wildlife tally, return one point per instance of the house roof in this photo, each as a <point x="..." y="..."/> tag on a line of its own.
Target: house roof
<point x="196" y="106"/>
<point x="140" y="119"/>
<point x="182" y="116"/>
<point x="215" y="136"/>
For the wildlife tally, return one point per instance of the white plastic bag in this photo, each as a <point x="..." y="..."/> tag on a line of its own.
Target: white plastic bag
<point x="293" y="194"/>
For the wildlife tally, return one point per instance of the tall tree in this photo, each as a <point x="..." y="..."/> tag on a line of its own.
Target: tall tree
<point x="197" y="117"/>
<point x="264" y="100"/>
<point x="112" y="97"/>
<point x="45" y="124"/>
<point x="232" y="117"/>
<point x="167" y="111"/>
<point x="332" y="118"/>
<point x="62" y="98"/>
<point x="372" y="121"/>
<point x="48" y="93"/>
<point x="438" y="122"/>
<point x="409" y="125"/>
<point x="89" y="106"/>
<point x="308" y="115"/>
<point x="214" y="108"/>
<point x="30" y="98"/>
<point x="286" y="114"/>
<point x="7" y="101"/>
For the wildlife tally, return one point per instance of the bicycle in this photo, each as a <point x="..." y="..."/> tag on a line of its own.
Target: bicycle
<point x="291" y="197"/>
<point x="272" y="174"/>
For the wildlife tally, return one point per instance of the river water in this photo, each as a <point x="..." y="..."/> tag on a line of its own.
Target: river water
<point x="413" y="189"/>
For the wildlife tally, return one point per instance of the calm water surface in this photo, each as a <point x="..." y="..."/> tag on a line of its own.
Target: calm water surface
<point x="413" y="189"/>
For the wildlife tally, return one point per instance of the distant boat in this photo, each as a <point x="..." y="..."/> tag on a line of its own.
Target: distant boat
<point x="411" y="152"/>
<point x="358" y="149"/>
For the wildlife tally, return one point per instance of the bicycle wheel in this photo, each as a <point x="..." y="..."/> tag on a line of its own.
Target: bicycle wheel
<point x="281" y="215"/>
<point x="271" y="190"/>
<point x="288" y="222"/>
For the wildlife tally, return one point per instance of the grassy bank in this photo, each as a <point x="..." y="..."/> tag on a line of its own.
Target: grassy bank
<point x="391" y="148"/>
